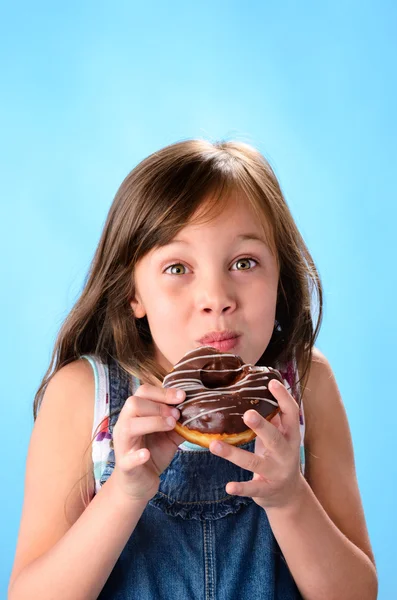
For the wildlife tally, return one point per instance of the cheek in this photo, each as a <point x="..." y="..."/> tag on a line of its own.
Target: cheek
<point x="261" y="296"/>
<point x="261" y="305"/>
<point x="164" y="313"/>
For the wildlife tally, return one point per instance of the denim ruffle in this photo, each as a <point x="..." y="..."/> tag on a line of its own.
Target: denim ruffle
<point x="200" y="511"/>
<point x="193" y="486"/>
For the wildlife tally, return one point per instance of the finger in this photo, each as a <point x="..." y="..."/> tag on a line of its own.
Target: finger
<point x="175" y="437"/>
<point x="289" y="408"/>
<point x="128" y="433"/>
<point x="252" y="489"/>
<point x="276" y="421"/>
<point x="135" y="406"/>
<point x="134" y="458"/>
<point x="144" y="425"/>
<point x="268" y="433"/>
<point x="157" y="394"/>
<point x="242" y="458"/>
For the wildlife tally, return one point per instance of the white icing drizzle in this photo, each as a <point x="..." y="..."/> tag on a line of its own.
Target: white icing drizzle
<point x="198" y="393"/>
<point x="207" y="412"/>
<point x="204" y="357"/>
<point x="203" y="396"/>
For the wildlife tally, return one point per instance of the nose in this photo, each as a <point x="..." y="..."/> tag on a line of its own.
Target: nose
<point x="215" y="295"/>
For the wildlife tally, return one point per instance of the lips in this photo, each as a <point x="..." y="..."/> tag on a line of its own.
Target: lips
<point x="221" y="340"/>
<point x="218" y="336"/>
<point x="224" y="345"/>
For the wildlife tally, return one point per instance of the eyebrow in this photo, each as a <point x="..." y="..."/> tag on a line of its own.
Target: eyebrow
<point x="243" y="237"/>
<point x="251" y="236"/>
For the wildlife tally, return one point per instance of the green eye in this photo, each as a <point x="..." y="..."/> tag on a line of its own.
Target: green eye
<point x="243" y="264"/>
<point x="244" y="261"/>
<point x="178" y="267"/>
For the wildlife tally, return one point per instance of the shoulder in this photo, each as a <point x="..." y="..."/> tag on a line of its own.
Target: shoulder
<point x="66" y="415"/>
<point x="321" y="398"/>
<point x="325" y="415"/>
<point x="77" y="373"/>
<point x="71" y="389"/>
<point x="61" y="437"/>
<point x="330" y="464"/>
<point x="71" y="392"/>
<point x="68" y="403"/>
<point x="318" y="356"/>
<point x="57" y="463"/>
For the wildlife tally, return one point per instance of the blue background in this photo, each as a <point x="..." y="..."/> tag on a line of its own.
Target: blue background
<point x="88" y="90"/>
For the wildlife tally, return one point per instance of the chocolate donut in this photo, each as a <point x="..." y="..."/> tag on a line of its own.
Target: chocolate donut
<point x="220" y="388"/>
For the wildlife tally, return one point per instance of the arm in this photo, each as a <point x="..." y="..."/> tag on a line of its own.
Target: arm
<point x="324" y="563"/>
<point x="79" y="564"/>
<point x="323" y="534"/>
<point x="67" y="556"/>
<point x="319" y="522"/>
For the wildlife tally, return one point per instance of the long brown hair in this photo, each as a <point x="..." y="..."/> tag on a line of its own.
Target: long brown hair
<point x="156" y="199"/>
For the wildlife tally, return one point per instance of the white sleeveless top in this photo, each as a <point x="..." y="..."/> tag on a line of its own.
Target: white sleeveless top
<point x="100" y="429"/>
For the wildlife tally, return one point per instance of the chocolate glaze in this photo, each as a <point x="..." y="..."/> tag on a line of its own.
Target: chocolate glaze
<point x="219" y="389"/>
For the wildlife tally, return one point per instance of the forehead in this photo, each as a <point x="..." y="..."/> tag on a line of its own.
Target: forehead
<point x="232" y="213"/>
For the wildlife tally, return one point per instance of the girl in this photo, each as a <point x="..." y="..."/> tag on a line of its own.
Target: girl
<point x="199" y="240"/>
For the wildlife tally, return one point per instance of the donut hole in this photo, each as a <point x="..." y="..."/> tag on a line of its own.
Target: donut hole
<point x="221" y="372"/>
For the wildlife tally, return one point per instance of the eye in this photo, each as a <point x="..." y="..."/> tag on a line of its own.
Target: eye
<point x="245" y="261"/>
<point x="177" y="269"/>
<point x="180" y="269"/>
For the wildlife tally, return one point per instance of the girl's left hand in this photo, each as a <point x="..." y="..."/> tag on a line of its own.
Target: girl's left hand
<point x="276" y="461"/>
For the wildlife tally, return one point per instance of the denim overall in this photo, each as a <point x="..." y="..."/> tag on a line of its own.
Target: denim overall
<point x="193" y="540"/>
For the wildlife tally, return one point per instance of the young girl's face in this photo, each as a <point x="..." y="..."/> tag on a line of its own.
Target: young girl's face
<point x="211" y="277"/>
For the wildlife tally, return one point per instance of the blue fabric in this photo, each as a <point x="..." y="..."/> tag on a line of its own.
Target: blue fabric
<point x="193" y="540"/>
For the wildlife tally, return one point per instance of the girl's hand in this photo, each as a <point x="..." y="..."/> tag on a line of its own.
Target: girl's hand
<point x="276" y="460"/>
<point x="144" y="441"/>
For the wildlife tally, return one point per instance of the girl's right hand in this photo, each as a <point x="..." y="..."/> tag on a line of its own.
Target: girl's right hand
<point x="144" y="441"/>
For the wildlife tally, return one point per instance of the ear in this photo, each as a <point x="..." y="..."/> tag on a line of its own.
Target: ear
<point x="137" y="308"/>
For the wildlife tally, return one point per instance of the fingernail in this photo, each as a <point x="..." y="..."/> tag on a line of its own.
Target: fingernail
<point x="170" y="421"/>
<point x="180" y="394"/>
<point x="175" y="413"/>
<point x="253" y="418"/>
<point x="217" y="447"/>
<point x="275" y="384"/>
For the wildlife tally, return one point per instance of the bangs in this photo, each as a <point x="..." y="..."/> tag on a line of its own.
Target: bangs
<point x="195" y="193"/>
